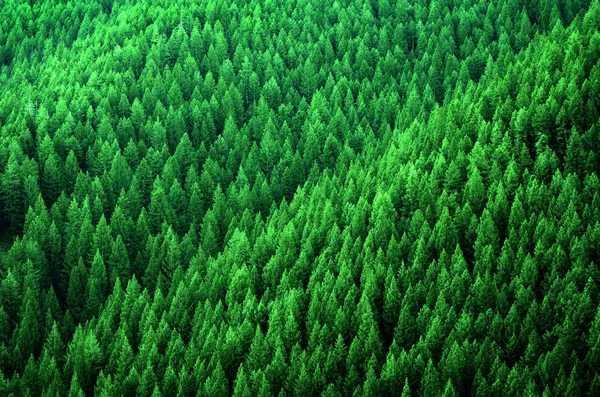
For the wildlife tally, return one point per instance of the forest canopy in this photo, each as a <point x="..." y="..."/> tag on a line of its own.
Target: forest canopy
<point x="300" y="197"/>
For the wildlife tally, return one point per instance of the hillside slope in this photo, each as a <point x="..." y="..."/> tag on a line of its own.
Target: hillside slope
<point x="300" y="198"/>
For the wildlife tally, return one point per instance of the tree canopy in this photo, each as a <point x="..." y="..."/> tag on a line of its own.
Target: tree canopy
<point x="268" y="198"/>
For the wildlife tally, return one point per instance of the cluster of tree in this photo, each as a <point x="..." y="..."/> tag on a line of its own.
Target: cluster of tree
<point x="300" y="198"/>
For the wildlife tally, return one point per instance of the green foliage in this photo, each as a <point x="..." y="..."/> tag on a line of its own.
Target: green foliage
<point x="299" y="198"/>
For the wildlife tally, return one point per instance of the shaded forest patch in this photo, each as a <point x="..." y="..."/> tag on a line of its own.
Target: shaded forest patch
<point x="6" y="241"/>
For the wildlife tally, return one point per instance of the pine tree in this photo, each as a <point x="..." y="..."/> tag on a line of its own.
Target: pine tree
<point x="28" y="331"/>
<point x="77" y="290"/>
<point x="12" y="192"/>
<point x="118" y="264"/>
<point x="160" y="211"/>
<point x="52" y="179"/>
<point x="97" y="286"/>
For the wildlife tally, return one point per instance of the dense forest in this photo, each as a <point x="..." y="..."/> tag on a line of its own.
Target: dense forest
<point x="300" y="197"/>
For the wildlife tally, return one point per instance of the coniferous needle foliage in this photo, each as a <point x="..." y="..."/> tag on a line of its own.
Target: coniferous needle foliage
<point x="300" y="197"/>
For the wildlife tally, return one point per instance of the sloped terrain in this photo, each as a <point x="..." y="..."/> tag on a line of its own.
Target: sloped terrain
<point x="300" y="198"/>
